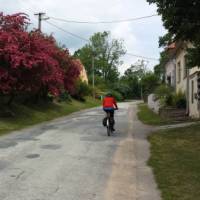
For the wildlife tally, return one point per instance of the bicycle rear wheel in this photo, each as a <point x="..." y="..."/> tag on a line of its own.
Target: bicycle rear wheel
<point x="108" y="131"/>
<point x="108" y="127"/>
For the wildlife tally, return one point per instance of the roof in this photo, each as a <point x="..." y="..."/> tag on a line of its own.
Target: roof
<point x="172" y="50"/>
<point x="171" y="46"/>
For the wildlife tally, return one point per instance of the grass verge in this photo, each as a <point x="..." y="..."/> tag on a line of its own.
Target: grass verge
<point x="147" y="116"/>
<point x="27" y="116"/>
<point x="175" y="159"/>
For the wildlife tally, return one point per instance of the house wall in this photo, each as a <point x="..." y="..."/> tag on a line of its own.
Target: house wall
<point x="193" y="102"/>
<point x="194" y="70"/>
<point x="181" y="79"/>
<point x="181" y="82"/>
<point x="170" y="69"/>
<point x="83" y="75"/>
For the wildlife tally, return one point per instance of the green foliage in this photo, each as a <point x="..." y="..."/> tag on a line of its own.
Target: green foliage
<point x="85" y="55"/>
<point x="117" y="95"/>
<point x="159" y="69"/>
<point x="166" y="40"/>
<point x="149" y="83"/>
<point x="24" y="116"/>
<point x="130" y="84"/>
<point x="180" y="100"/>
<point x="107" y="53"/>
<point x="193" y="56"/>
<point x="165" y="94"/>
<point x="82" y="90"/>
<point x="147" y="116"/>
<point x="124" y="90"/>
<point x="65" y="96"/>
<point x="168" y="97"/>
<point x="182" y="20"/>
<point x="100" y="83"/>
<point x="130" y="87"/>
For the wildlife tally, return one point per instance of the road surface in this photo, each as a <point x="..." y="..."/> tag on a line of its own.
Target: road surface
<point x="73" y="159"/>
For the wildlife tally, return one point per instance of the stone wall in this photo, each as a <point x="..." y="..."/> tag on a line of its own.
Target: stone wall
<point x="173" y="113"/>
<point x="153" y="103"/>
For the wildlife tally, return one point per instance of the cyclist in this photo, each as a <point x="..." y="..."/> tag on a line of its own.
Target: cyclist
<point x="110" y="105"/>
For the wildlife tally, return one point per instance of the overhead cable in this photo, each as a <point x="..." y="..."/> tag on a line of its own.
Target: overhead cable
<point x="143" y="57"/>
<point x="68" y="32"/>
<point x="87" y="40"/>
<point x="103" y="22"/>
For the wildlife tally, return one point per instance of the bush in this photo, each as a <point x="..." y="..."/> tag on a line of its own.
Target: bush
<point x="117" y="95"/>
<point x="168" y="97"/>
<point x="65" y="96"/>
<point x="32" y="63"/>
<point x="82" y="89"/>
<point x="180" y="100"/>
<point x="165" y="94"/>
<point x="124" y="90"/>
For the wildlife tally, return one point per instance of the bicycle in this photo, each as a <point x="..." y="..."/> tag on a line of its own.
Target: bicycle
<point x="109" y="124"/>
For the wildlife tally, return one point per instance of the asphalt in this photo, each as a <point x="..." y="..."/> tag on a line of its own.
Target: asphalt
<point x="72" y="158"/>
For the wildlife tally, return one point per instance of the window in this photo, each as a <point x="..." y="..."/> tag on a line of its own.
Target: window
<point x="179" y="71"/>
<point x="185" y="67"/>
<point x="192" y="92"/>
<point x="169" y="80"/>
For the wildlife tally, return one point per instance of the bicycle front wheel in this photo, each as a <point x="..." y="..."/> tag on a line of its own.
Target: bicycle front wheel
<point x="108" y="130"/>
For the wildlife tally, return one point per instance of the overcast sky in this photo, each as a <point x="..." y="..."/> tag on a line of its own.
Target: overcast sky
<point x="141" y="37"/>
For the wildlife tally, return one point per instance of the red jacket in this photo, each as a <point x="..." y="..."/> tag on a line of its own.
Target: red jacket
<point x="109" y="102"/>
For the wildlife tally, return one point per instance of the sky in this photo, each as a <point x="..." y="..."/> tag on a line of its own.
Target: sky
<point x="140" y="37"/>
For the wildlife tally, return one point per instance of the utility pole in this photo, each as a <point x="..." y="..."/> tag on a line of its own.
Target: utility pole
<point x="40" y="18"/>
<point x="93" y="83"/>
<point x="93" y="70"/>
<point x="143" y="66"/>
<point x="188" y="91"/>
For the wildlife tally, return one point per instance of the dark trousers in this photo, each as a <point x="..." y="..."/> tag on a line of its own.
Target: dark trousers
<point x="112" y="113"/>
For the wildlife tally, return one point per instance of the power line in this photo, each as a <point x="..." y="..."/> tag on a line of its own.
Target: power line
<point x="86" y="40"/>
<point x="104" y="22"/>
<point x="68" y="32"/>
<point x="143" y="57"/>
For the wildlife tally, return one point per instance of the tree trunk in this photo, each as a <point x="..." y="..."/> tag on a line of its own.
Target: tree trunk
<point x="11" y="99"/>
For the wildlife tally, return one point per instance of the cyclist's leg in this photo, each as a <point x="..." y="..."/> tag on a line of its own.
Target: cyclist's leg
<point x="107" y="112"/>
<point x="112" y="118"/>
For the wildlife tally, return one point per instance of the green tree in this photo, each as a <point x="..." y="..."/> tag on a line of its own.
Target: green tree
<point x="159" y="69"/>
<point x="149" y="83"/>
<point x="85" y="55"/>
<point x="107" y="52"/>
<point x="131" y="81"/>
<point x="182" y="20"/>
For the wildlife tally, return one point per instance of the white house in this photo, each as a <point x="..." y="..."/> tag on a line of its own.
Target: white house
<point x="170" y="66"/>
<point x="185" y="79"/>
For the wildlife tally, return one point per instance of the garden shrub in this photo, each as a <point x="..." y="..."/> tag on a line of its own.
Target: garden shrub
<point x="82" y="89"/>
<point x="165" y="94"/>
<point x="65" y="96"/>
<point x="180" y="100"/>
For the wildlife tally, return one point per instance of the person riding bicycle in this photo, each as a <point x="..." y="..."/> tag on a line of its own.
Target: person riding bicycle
<point x="110" y="105"/>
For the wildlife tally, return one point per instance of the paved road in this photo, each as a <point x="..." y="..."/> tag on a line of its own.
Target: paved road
<point x="73" y="159"/>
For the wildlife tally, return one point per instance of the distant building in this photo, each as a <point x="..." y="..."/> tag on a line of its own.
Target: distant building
<point x="83" y="75"/>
